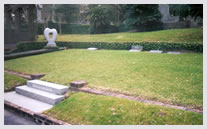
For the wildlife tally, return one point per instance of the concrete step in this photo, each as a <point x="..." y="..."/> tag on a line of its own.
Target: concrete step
<point x="47" y="86"/>
<point x="39" y="95"/>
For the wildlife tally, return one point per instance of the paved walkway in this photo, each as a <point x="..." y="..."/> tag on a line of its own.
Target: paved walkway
<point x="12" y="118"/>
<point x="26" y="102"/>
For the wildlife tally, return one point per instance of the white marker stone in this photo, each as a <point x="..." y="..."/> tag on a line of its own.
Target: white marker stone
<point x="132" y="50"/>
<point x="51" y="41"/>
<point x="155" y="51"/>
<point x="173" y="52"/>
<point x="92" y="49"/>
<point x="135" y="48"/>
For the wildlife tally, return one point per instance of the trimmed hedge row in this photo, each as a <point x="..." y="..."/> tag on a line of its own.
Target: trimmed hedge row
<point x="117" y="46"/>
<point x="26" y="46"/>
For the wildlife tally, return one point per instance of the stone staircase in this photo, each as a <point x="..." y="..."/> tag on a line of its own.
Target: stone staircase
<point x="46" y="92"/>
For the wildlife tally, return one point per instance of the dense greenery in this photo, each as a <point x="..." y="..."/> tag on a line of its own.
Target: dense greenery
<point x="100" y="18"/>
<point x="109" y="18"/>
<point x="11" y="81"/>
<point x="26" y="46"/>
<point x="82" y="108"/>
<point x="143" y="17"/>
<point x="176" y="79"/>
<point x="184" y="10"/>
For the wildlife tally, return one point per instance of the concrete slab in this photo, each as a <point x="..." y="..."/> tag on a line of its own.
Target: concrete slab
<point x="27" y="103"/>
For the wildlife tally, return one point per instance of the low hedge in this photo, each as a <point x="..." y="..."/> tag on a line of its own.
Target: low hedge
<point x="26" y="46"/>
<point x="115" y="45"/>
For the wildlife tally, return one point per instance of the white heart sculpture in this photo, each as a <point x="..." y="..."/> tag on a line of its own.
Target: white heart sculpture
<point x="51" y="41"/>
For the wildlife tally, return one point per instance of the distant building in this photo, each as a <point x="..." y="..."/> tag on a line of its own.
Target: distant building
<point x="170" y="22"/>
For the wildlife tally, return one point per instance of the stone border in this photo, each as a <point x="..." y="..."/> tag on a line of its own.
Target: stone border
<point x="138" y="99"/>
<point x="37" y="117"/>
<point x="25" y="75"/>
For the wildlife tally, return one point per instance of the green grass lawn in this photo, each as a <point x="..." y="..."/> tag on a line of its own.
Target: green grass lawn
<point x="193" y="35"/>
<point x="82" y="108"/>
<point x="11" y="81"/>
<point x="176" y="79"/>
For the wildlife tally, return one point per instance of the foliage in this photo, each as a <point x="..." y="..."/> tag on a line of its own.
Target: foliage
<point x="184" y="10"/>
<point x="26" y="46"/>
<point x="116" y="45"/>
<point x="11" y="81"/>
<point x="69" y="11"/>
<point x="100" y="18"/>
<point x="176" y="79"/>
<point x="126" y="46"/>
<point x="143" y="17"/>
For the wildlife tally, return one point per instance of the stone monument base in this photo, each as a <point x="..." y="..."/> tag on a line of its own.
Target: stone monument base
<point x="51" y="45"/>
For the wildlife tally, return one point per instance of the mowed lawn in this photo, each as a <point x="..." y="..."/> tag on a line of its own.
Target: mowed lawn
<point x="11" y="81"/>
<point x="175" y="79"/>
<point x="88" y="109"/>
<point x="192" y="35"/>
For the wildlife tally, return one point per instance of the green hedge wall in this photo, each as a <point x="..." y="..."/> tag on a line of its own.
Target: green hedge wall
<point x="115" y="45"/>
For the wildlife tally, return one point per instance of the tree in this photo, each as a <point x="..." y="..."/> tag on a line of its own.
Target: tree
<point x="99" y="17"/>
<point x="70" y="11"/>
<point x="184" y="10"/>
<point x="60" y="13"/>
<point x="143" y="17"/>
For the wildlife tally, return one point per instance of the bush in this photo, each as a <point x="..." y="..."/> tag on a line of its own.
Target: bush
<point x="116" y="46"/>
<point x="26" y="46"/>
<point x="127" y="46"/>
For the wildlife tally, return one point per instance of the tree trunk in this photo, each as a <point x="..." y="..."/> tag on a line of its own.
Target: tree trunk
<point x="32" y="24"/>
<point x="60" y="28"/>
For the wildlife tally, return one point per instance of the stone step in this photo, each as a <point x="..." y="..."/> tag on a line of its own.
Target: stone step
<point x="47" y="86"/>
<point x="39" y="95"/>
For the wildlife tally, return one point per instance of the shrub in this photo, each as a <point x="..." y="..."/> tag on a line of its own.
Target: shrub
<point x="26" y="46"/>
<point x="126" y="46"/>
<point x="116" y="46"/>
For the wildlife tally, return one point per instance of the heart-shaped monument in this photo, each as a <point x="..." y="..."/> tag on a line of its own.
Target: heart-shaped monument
<point x="51" y="41"/>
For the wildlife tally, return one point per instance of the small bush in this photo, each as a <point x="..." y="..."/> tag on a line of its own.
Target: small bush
<point x="26" y="46"/>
